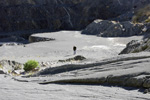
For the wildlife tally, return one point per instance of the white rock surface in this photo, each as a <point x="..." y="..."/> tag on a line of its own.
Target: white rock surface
<point x="95" y="49"/>
<point x="91" y="47"/>
<point x="13" y="90"/>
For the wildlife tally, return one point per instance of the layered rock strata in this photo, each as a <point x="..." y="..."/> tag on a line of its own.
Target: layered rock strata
<point x="128" y="80"/>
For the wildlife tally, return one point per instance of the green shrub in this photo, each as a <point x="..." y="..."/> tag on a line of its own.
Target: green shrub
<point x="30" y="65"/>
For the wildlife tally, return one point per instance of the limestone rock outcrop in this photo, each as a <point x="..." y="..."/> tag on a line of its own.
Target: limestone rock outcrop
<point x="137" y="46"/>
<point x="76" y="58"/>
<point x="8" y="66"/>
<point x="128" y="81"/>
<point x="39" y="39"/>
<point x="107" y="28"/>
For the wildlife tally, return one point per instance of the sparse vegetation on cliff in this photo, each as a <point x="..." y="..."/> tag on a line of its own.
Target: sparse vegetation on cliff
<point x="142" y="15"/>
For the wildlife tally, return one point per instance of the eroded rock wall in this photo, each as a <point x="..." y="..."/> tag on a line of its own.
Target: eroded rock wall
<point x="18" y="15"/>
<point x="106" y="28"/>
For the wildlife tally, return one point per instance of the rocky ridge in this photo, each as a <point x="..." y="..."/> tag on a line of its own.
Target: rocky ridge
<point x="133" y="22"/>
<point x="137" y="46"/>
<point x="106" y="28"/>
<point x="60" y="14"/>
<point x="138" y="79"/>
<point x="106" y="72"/>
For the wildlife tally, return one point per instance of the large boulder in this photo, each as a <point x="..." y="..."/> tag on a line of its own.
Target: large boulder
<point x="107" y="28"/>
<point x="97" y="27"/>
<point x="137" y="46"/>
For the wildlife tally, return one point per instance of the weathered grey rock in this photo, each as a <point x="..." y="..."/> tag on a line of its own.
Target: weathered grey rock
<point x="116" y="80"/>
<point x="97" y="27"/>
<point x="137" y="46"/>
<point x="80" y="81"/>
<point x="130" y="47"/>
<point x="146" y="91"/>
<point x="45" y="64"/>
<point x="146" y="84"/>
<point x="11" y="44"/>
<point x="60" y="14"/>
<point x="1" y="72"/>
<point x="129" y="81"/>
<point x="9" y="66"/>
<point x="79" y="57"/>
<point x="39" y="39"/>
<point x="107" y="28"/>
<point x="134" y="82"/>
<point x="76" y="58"/>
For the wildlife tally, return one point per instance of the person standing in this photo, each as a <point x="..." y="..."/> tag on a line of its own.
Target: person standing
<point x="74" y="49"/>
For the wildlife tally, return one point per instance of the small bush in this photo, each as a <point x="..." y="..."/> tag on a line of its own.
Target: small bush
<point x="1" y="66"/>
<point x="30" y="65"/>
<point x="142" y="15"/>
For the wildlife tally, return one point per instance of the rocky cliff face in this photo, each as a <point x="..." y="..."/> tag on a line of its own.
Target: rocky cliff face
<point x="137" y="46"/>
<point x="60" y="14"/>
<point x="107" y="28"/>
<point x="142" y="15"/>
